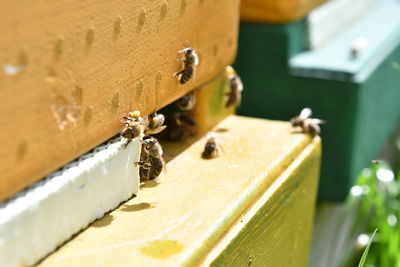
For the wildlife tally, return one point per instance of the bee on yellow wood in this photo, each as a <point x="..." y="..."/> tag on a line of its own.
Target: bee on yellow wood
<point x="190" y="62"/>
<point x="213" y="147"/>
<point x="151" y="159"/>
<point x="307" y="124"/>
<point x="236" y="86"/>
<point x="187" y="102"/>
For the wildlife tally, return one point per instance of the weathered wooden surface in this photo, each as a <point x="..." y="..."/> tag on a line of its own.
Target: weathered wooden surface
<point x="274" y="11"/>
<point x="266" y="169"/>
<point x="72" y="68"/>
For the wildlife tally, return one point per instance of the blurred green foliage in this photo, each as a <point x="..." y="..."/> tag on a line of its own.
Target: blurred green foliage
<point x="365" y="253"/>
<point x="377" y="197"/>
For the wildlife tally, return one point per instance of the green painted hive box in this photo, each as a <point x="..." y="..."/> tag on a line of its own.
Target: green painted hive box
<point x="358" y="93"/>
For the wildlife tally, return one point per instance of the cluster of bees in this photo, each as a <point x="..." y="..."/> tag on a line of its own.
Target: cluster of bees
<point x="151" y="161"/>
<point x="181" y="123"/>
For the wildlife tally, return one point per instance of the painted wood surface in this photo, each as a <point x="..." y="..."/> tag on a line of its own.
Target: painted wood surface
<point x="72" y="68"/>
<point x="276" y="231"/>
<point x="266" y="168"/>
<point x="344" y="58"/>
<point x="274" y="11"/>
<point x="359" y="116"/>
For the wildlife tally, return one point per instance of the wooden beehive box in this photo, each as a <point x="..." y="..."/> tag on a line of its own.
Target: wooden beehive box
<point x="71" y="70"/>
<point x="272" y="11"/>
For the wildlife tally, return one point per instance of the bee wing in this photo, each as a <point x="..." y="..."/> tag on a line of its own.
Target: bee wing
<point x="240" y="84"/>
<point x="196" y="58"/>
<point x="156" y="131"/>
<point x="194" y="73"/>
<point x="305" y="113"/>
<point x="317" y="121"/>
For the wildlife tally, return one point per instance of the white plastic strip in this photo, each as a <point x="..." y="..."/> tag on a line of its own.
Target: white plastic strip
<point x="41" y="218"/>
<point x="334" y="17"/>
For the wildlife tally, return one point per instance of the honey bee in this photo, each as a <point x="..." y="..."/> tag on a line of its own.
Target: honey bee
<point x="213" y="147"/>
<point x="135" y="126"/>
<point x="189" y="65"/>
<point x="236" y="86"/>
<point x="308" y="125"/>
<point x="187" y="102"/>
<point x="181" y="125"/>
<point x="151" y="159"/>
<point x="155" y="123"/>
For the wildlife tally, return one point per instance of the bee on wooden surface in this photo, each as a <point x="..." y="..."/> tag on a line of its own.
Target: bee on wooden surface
<point x="180" y="125"/>
<point x="189" y="65"/>
<point x="308" y="125"/>
<point x="236" y="86"/>
<point x="155" y="123"/>
<point x="187" y="102"/>
<point x="151" y="159"/>
<point x="213" y="147"/>
<point x="135" y="126"/>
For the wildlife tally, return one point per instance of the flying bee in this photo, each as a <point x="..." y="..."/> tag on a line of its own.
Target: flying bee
<point x="236" y="86"/>
<point x="189" y="65"/>
<point x="135" y="126"/>
<point x="213" y="147"/>
<point x="151" y="159"/>
<point x="308" y="125"/>
<point x="187" y="102"/>
<point x="155" y="123"/>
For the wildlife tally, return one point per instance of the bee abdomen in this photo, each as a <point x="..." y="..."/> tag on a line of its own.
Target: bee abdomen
<point x="156" y="168"/>
<point x="186" y="75"/>
<point x="209" y="150"/>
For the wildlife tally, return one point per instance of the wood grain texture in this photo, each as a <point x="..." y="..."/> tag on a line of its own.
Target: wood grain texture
<point x="180" y="220"/>
<point x="72" y="68"/>
<point x="274" y="11"/>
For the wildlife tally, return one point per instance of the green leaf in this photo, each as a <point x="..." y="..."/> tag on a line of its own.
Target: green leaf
<point x="365" y="253"/>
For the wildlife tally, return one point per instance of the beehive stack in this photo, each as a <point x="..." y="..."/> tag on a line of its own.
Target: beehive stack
<point x="253" y="204"/>
<point x="71" y="70"/>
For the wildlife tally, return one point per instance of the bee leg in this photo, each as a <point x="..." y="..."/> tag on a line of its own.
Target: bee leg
<point x="179" y="73"/>
<point x="127" y="143"/>
<point x="144" y="165"/>
<point x="184" y="118"/>
<point x="127" y="118"/>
